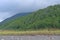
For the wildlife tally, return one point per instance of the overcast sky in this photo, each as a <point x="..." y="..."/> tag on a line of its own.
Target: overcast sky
<point x="12" y="7"/>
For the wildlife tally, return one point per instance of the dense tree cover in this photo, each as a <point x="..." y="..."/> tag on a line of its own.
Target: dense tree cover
<point x="46" y="18"/>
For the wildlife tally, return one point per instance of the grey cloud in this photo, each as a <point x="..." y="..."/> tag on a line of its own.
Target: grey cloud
<point x="9" y="8"/>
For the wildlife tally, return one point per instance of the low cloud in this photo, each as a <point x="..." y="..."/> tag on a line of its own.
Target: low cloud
<point x="12" y="7"/>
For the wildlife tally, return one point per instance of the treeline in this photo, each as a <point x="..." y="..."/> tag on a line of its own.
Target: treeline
<point x="46" y="18"/>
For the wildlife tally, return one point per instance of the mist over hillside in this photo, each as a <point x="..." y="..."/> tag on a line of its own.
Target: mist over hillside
<point x="47" y="18"/>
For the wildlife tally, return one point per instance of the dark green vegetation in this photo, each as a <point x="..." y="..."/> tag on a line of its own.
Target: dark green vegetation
<point x="42" y="19"/>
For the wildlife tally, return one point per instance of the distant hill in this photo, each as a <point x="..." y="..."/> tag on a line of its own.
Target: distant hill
<point x="14" y="17"/>
<point x="46" y="18"/>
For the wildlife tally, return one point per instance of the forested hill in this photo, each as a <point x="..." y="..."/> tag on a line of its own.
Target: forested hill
<point x="44" y="18"/>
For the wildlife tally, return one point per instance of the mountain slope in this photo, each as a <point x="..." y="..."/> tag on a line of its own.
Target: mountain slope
<point x="41" y="19"/>
<point x="14" y="17"/>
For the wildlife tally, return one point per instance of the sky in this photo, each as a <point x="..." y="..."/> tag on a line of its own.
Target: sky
<point x="9" y="8"/>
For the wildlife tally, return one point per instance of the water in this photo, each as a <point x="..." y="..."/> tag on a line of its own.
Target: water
<point x="37" y="37"/>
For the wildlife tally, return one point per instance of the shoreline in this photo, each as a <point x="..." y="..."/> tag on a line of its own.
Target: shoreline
<point x="31" y="35"/>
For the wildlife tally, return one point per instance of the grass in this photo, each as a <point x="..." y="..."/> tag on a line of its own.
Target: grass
<point x="36" y="32"/>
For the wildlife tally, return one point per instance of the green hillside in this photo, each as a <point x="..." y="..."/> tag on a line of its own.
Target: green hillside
<point x="47" y="18"/>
